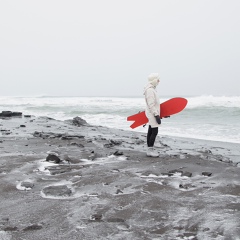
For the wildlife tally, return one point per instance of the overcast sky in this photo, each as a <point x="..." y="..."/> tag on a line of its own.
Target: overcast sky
<point x="108" y="48"/>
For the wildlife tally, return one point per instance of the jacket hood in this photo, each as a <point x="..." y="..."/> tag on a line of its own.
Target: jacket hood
<point x="149" y="85"/>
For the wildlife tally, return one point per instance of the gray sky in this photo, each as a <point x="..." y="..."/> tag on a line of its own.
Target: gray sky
<point x="108" y="48"/>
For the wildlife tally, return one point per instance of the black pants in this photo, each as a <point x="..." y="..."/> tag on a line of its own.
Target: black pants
<point x="151" y="135"/>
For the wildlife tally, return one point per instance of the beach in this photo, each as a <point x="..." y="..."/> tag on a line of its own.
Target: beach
<point x="72" y="180"/>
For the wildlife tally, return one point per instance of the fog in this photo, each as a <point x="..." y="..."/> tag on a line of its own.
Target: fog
<point x="108" y="48"/>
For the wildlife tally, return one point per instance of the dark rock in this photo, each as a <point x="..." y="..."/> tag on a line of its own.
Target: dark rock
<point x="206" y="229"/>
<point x="16" y="114"/>
<point x="22" y="125"/>
<point x="10" y="229"/>
<point x="33" y="227"/>
<point x="66" y="138"/>
<point x="56" y="170"/>
<point x="119" y="191"/>
<point x="53" y="158"/>
<point x="27" y="184"/>
<point x="108" y="145"/>
<point x="186" y="174"/>
<point x="27" y="116"/>
<point x="6" y="132"/>
<point x="115" y="142"/>
<point x="186" y="186"/>
<point x="60" y="191"/>
<point x="77" y="144"/>
<point x="96" y="217"/>
<point x="112" y="143"/>
<point x="208" y="174"/>
<point x="70" y="137"/>
<point x="139" y="141"/>
<point x="172" y="172"/>
<point x="77" y="121"/>
<point x="6" y="114"/>
<point x="117" y="153"/>
<point x="37" y="134"/>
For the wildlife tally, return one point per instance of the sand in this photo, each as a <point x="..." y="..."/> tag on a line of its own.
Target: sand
<point x="98" y="183"/>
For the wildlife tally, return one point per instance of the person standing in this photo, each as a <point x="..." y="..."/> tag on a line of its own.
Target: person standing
<point x="152" y="112"/>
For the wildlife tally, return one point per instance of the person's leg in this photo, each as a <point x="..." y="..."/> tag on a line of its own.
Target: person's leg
<point x="152" y="137"/>
<point x="149" y="135"/>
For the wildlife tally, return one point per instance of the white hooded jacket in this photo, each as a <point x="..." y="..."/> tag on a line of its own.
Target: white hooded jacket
<point x="152" y="104"/>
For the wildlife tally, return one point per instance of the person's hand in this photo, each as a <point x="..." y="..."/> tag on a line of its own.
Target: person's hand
<point x="158" y="119"/>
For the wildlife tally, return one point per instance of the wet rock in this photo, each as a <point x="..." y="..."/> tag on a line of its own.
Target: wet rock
<point x="56" y="170"/>
<point x="37" y="134"/>
<point x="77" y="121"/>
<point x="56" y="135"/>
<point x="66" y="138"/>
<point x="223" y="159"/>
<point x="33" y="227"/>
<point x="27" y="116"/>
<point x="206" y="229"/>
<point x="6" y="114"/>
<point x="22" y="125"/>
<point x="70" y="137"/>
<point x="175" y="171"/>
<point x="119" y="191"/>
<point x="53" y="158"/>
<point x="16" y="114"/>
<point x="112" y="143"/>
<point x="10" y="114"/>
<point x="186" y="186"/>
<point x="108" y="145"/>
<point x="208" y="151"/>
<point x="27" y="184"/>
<point x="10" y="229"/>
<point x="76" y="144"/>
<point x="117" y="153"/>
<point x="186" y="174"/>
<point x="5" y="132"/>
<point x="139" y="141"/>
<point x="207" y="174"/>
<point x="59" y="191"/>
<point x="96" y="217"/>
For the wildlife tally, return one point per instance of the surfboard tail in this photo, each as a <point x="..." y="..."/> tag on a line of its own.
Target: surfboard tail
<point x="139" y="119"/>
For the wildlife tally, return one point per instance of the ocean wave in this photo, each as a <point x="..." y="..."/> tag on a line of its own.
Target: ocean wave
<point x="212" y="101"/>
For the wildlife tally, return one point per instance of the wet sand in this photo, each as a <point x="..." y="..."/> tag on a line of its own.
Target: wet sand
<point x="65" y="180"/>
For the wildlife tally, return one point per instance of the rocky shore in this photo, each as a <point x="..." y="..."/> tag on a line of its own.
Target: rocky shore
<point x="70" y="180"/>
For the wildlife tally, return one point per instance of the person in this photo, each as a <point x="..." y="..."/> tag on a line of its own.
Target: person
<point x="152" y="112"/>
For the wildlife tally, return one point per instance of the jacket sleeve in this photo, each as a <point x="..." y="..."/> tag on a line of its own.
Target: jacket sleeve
<point x="151" y="101"/>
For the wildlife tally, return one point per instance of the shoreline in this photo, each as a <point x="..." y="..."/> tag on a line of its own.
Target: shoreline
<point x="72" y="180"/>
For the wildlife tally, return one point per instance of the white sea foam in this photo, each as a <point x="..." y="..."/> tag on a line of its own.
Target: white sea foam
<point x="211" y="101"/>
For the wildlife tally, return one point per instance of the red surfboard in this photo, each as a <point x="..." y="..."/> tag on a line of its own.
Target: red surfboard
<point x="168" y="108"/>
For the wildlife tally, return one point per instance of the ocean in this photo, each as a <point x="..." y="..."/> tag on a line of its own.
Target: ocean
<point x="205" y="117"/>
